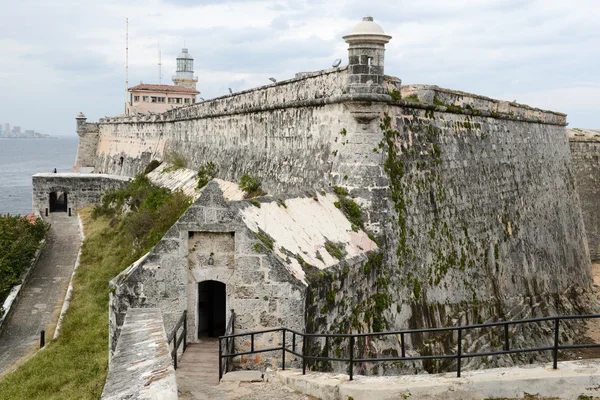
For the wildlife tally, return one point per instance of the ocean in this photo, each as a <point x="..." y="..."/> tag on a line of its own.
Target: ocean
<point x="22" y="158"/>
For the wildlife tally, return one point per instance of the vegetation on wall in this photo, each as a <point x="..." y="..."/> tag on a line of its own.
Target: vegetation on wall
<point x="19" y="240"/>
<point x="152" y="165"/>
<point x="176" y="161"/>
<point x="251" y="186"/>
<point x="206" y="172"/>
<point x="127" y="225"/>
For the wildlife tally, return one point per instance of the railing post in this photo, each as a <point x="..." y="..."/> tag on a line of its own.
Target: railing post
<point x="283" y="351"/>
<point x="555" y="350"/>
<point x="351" y="357"/>
<point x="459" y="353"/>
<point x="506" y="343"/>
<point x="294" y="341"/>
<point x="252" y="342"/>
<point x="46" y="212"/>
<point x="304" y="338"/>
<point x="69" y="211"/>
<point x="174" y="354"/>
<point x="184" y="329"/>
<point x="402" y="344"/>
<point x="42" y="339"/>
<point x="220" y="361"/>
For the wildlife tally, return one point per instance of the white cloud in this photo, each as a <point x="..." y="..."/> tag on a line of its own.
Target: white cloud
<point x="66" y="56"/>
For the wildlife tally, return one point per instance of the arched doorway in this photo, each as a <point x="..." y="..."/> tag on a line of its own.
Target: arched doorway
<point x="58" y="201"/>
<point x="211" y="309"/>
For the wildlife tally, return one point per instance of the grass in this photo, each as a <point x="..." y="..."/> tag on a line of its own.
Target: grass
<point x="75" y="365"/>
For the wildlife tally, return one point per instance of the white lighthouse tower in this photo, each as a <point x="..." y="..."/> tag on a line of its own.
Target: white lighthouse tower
<point x="185" y="71"/>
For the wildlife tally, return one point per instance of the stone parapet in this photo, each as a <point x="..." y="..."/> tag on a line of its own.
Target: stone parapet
<point x="306" y="88"/>
<point x="141" y="367"/>
<point x="455" y="101"/>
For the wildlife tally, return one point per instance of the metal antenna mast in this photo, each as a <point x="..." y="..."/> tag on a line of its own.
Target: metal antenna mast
<point x="159" y="65"/>
<point x="126" y="61"/>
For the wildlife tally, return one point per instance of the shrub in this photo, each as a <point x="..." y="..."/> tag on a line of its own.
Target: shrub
<point x="251" y="186"/>
<point x="206" y="172"/>
<point x="337" y="250"/>
<point x="152" y="165"/>
<point x="176" y="162"/>
<point x="19" y="240"/>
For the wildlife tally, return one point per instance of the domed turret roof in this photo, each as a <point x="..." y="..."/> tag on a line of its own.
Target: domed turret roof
<point x="185" y="55"/>
<point x="367" y="30"/>
<point x="367" y="27"/>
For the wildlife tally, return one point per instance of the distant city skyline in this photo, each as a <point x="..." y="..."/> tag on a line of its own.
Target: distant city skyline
<point x="19" y="133"/>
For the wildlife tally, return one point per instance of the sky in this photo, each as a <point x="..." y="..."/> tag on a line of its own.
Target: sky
<point x="60" y="57"/>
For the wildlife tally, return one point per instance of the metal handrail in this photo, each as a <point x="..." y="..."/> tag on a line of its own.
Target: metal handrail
<point x="229" y="346"/>
<point x="458" y="356"/>
<point x="172" y="337"/>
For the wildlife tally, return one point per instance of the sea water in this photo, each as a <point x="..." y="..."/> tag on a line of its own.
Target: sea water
<point x="22" y="158"/>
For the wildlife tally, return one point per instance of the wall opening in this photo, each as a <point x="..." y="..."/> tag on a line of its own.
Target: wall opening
<point x="58" y="202"/>
<point x="211" y="309"/>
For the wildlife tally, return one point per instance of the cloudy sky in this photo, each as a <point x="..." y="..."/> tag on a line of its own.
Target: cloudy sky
<point x="59" y="57"/>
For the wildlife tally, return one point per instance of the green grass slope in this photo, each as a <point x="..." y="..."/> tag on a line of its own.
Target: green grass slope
<point x="75" y="365"/>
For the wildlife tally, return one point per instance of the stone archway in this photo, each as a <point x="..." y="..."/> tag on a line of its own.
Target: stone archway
<point x="58" y="201"/>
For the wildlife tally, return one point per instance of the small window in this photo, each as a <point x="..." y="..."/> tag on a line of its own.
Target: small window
<point x="187" y="101"/>
<point x="145" y="98"/>
<point x="171" y="100"/>
<point x="136" y="98"/>
<point x="193" y="100"/>
<point x="153" y="99"/>
<point x="178" y="99"/>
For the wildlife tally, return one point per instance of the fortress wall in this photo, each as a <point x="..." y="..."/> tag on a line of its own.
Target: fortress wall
<point x="484" y="224"/>
<point x="254" y="117"/>
<point x="585" y="150"/>
<point x="82" y="189"/>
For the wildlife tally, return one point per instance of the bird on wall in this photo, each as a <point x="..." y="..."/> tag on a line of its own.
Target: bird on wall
<point x="273" y="80"/>
<point x="230" y="91"/>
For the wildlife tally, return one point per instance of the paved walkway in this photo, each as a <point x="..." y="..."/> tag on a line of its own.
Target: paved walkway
<point x="200" y="363"/>
<point x="41" y="298"/>
<point x="241" y="385"/>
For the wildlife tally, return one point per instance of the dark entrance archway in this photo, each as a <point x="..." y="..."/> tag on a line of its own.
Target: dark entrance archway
<point x="211" y="309"/>
<point x="58" y="201"/>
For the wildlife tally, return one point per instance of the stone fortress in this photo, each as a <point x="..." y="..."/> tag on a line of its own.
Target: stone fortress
<point x="389" y="206"/>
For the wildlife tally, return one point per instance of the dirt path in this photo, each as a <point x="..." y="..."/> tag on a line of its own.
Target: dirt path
<point x="41" y="298"/>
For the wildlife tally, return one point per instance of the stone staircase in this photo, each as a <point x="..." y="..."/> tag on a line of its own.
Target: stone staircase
<point x="200" y="363"/>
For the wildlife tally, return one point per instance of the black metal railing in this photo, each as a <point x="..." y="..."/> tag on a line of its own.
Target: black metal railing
<point x="227" y="347"/>
<point x="458" y="355"/>
<point x="177" y="341"/>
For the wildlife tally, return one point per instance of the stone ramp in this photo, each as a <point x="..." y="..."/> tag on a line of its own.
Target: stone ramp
<point x="41" y="299"/>
<point x="199" y="364"/>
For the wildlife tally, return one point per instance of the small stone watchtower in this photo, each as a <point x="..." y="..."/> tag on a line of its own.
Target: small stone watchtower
<point x="81" y="129"/>
<point x="88" y="141"/>
<point x="366" y="57"/>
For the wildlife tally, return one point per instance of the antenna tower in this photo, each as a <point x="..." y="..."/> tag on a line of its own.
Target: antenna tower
<point x="126" y="61"/>
<point x="159" y="65"/>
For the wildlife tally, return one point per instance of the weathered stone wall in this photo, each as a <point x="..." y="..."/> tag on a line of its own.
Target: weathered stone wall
<point x="484" y="224"/>
<point x="141" y="367"/>
<point x="259" y="288"/>
<point x="82" y="189"/>
<point x="585" y="149"/>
